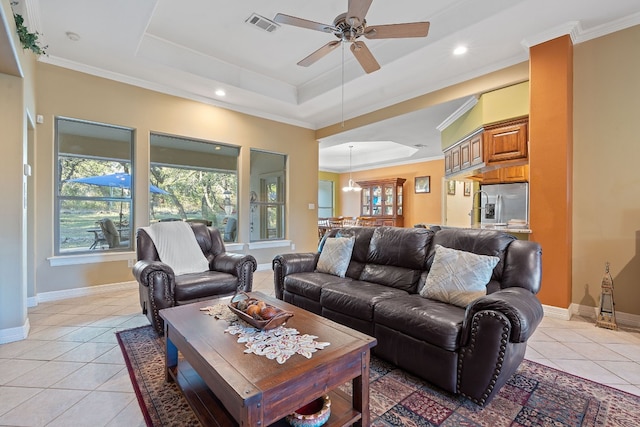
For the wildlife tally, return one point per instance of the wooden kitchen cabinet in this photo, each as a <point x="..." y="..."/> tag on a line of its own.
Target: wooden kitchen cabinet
<point x="505" y="175"/>
<point x="506" y="141"/>
<point x="381" y="200"/>
<point x="464" y="154"/>
<point x="503" y="144"/>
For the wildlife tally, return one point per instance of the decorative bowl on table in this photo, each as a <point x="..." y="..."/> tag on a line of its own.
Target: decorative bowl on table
<point x="258" y="313"/>
<point x="313" y="414"/>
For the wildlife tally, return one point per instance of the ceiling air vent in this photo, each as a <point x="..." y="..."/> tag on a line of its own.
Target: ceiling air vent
<point x="262" y="23"/>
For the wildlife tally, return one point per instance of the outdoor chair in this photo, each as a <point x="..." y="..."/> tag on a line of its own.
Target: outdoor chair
<point x="112" y="235"/>
<point x="230" y="230"/>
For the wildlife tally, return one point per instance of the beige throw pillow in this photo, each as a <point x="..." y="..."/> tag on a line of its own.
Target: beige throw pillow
<point x="458" y="277"/>
<point x="335" y="256"/>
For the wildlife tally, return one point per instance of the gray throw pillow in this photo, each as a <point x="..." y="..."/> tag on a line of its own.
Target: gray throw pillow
<point x="335" y="256"/>
<point x="458" y="277"/>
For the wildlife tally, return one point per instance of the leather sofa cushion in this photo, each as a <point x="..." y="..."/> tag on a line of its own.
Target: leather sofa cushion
<point x="309" y="285"/>
<point x="401" y="247"/>
<point x="392" y="276"/>
<point x="396" y="257"/>
<point x="200" y="285"/>
<point x="426" y="320"/>
<point x="356" y="298"/>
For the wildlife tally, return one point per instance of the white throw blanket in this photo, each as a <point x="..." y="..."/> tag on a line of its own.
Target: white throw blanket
<point x="177" y="247"/>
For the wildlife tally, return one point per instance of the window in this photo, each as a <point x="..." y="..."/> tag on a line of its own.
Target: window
<point x="199" y="182"/>
<point x="325" y="199"/>
<point x="94" y="195"/>
<point x="267" y="218"/>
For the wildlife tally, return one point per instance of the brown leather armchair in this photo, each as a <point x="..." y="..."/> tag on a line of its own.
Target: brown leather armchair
<point x="161" y="288"/>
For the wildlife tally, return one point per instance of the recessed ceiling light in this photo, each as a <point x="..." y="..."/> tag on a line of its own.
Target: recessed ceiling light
<point x="74" y="37"/>
<point x="460" y="50"/>
<point x="220" y="92"/>
<point x="218" y="147"/>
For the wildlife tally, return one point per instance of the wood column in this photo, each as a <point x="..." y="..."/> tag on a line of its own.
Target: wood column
<point x="551" y="164"/>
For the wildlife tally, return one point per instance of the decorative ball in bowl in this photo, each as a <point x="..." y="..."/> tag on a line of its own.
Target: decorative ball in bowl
<point x="313" y="414"/>
<point x="257" y="313"/>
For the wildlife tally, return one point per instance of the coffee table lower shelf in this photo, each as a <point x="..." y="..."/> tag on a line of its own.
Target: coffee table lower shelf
<point x="211" y="412"/>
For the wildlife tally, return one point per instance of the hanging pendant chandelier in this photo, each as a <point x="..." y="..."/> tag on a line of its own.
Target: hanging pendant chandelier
<point x="352" y="185"/>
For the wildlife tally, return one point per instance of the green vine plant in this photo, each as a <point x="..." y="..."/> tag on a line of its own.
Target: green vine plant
<point x="28" y="40"/>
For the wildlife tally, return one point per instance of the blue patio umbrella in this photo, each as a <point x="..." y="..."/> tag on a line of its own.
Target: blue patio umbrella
<point x="119" y="180"/>
<point x="114" y="180"/>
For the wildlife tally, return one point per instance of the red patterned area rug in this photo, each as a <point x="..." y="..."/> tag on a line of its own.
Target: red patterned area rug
<point x="536" y="395"/>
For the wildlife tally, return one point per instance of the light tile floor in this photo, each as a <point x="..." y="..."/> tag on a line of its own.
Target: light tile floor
<point x="70" y="370"/>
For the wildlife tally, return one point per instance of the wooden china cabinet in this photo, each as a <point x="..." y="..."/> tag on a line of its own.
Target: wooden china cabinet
<point x="381" y="200"/>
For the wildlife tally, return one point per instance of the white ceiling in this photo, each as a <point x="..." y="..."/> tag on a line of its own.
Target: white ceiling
<point x="191" y="48"/>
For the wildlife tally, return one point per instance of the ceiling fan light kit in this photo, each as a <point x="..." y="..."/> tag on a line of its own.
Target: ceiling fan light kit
<point x="350" y="26"/>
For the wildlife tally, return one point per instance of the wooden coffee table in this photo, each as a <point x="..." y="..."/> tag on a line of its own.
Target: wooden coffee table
<point x="225" y="386"/>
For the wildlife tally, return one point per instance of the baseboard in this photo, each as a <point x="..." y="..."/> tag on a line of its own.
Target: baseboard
<point x="32" y="301"/>
<point x="15" y="334"/>
<point x="85" y="291"/>
<point x="556" y="312"/>
<point x="626" y="319"/>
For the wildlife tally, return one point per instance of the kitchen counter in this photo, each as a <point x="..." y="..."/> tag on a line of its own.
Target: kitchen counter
<point x="511" y="230"/>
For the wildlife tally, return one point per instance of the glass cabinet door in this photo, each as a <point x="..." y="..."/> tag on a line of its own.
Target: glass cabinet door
<point x="388" y="200"/>
<point x="366" y="201"/>
<point x="399" y="202"/>
<point x="377" y="200"/>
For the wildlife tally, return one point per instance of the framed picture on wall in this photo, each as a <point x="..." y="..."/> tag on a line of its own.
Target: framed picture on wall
<point x="422" y="184"/>
<point x="467" y="188"/>
<point x="451" y="188"/>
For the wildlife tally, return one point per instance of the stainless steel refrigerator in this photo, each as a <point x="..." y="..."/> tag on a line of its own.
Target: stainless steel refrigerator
<point x="502" y="203"/>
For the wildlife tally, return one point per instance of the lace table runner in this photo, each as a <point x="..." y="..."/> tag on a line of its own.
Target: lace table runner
<point x="278" y="343"/>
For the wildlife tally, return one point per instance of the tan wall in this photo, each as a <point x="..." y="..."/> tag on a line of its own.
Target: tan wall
<point x="67" y="93"/>
<point x="606" y="197"/>
<point x="418" y="208"/>
<point x="17" y="101"/>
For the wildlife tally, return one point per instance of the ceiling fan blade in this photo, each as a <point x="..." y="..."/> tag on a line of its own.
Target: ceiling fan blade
<point x="364" y="57"/>
<point x="392" y="31"/>
<point x="281" y="18"/>
<point x="357" y="11"/>
<point x="319" y="53"/>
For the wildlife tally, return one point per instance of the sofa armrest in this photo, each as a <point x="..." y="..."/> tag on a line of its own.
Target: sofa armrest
<point x="518" y="305"/>
<point x="241" y="266"/>
<point x="286" y="264"/>
<point x="143" y="269"/>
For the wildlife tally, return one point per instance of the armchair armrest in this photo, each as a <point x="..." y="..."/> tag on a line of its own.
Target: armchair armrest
<point x="241" y="266"/>
<point x="143" y="269"/>
<point x="521" y="307"/>
<point x="286" y="264"/>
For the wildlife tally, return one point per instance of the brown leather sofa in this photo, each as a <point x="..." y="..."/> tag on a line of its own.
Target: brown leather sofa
<point x="471" y="351"/>
<point x="161" y="288"/>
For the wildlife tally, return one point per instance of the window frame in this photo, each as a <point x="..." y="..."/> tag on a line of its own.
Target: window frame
<point x="59" y="199"/>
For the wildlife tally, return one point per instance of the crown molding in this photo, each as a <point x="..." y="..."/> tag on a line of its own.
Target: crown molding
<point x="571" y="28"/>
<point x="467" y="106"/>
<point x="578" y="34"/>
<point x="608" y="28"/>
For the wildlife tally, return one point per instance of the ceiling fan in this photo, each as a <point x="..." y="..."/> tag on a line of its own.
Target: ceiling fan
<point x="349" y="27"/>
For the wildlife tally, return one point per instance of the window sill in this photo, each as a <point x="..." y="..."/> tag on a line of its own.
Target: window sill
<point x="90" y="258"/>
<point x="269" y="244"/>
